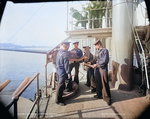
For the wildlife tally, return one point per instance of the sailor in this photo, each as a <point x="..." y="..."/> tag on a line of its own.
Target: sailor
<point x="76" y="64"/>
<point x="97" y="77"/>
<point x="96" y="82"/>
<point x="102" y="63"/>
<point x="62" y="63"/>
<point x="90" y="71"/>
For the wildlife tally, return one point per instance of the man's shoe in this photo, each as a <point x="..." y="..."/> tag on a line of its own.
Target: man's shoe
<point x="87" y="84"/>
<point x="96" y="96"/>
<point x="109" y="102"/>
<point x="61" y="103"/>
<point x="93" y="90"/>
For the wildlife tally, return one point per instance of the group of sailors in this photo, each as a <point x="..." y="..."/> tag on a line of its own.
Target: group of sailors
<point x="97" y="71"/>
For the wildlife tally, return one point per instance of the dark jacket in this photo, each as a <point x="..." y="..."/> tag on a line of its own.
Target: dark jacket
<point x="62" y="63"/>
<point x="79" y="52"/>
<point x="90" y="58"/>
<point x="103" y="58"/>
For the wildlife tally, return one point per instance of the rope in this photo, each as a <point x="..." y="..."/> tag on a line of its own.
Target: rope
<point x="26" y="22"/>
<point x="142" y="10"/>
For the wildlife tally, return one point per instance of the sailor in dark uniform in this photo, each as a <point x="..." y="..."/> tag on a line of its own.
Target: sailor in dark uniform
<point x="76" y="64"/>
<point x="62" y="63"/>
<point x="102" y="63"/>
<point x="90" y="71"/>
<point x="97" y="77"/>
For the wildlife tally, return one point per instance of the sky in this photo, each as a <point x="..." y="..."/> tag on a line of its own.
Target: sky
<point x="41" y="24"/>
<point x="141" y="14"/>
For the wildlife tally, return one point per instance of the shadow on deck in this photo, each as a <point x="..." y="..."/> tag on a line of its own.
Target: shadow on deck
<point x="125" y="105"/>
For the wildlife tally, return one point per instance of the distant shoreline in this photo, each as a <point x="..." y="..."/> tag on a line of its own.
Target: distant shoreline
<point x="11" y="45"/>
<point x="25" y="50"/>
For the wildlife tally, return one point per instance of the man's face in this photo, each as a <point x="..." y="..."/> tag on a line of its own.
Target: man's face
<point x="75" y="45"/>
<point x="84" y="50"/>
<point x="97" y="46"/>
<point x="67" y="47"/>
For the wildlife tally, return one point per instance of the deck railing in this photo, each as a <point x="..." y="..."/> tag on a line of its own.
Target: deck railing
<point x="4" y="84"/>
<point x="15" y="96"/>
<point x="87" y="20"/>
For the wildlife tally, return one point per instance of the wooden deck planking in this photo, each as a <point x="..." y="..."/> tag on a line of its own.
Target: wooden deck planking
<point x="125" y="104"/>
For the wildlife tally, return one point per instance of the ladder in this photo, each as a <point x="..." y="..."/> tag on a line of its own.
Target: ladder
<point x="141" y="58"/>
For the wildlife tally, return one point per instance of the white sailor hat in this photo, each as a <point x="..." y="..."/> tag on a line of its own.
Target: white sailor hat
<point x="75" y="42"/>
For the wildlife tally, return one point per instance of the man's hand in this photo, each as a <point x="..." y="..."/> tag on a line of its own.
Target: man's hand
<point x="69" y="76"/>
<point x="85" y="57"/>
<point x="89" y="62"/>
<point x="94" y="66"/>
<point x="83" y="63"/>
<point x="73" y="59"/>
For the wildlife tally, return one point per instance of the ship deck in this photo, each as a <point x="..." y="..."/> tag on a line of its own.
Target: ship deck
<point x="125" y="104"/>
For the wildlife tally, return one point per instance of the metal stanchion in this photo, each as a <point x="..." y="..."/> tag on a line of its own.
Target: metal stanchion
<point x="38" y="96"/>
<point x="15" y="107"/>
<point x="46" y="80"/>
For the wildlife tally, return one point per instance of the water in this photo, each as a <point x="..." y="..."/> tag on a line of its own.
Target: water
<point x="16" y="66"/>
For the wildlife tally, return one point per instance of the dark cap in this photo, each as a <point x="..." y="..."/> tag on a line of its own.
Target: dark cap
<point x="86" y="46"/>
<point x="66" y="43"/>
<point x="97" y="41"/>
<point x="75" y="42"/>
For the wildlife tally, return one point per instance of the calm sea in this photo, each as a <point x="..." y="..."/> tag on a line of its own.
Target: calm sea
<point x="16" y="66"/>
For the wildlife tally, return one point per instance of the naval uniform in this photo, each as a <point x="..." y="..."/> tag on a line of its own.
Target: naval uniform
<point x="76" y="65"/>
<point x="62" y="63"/>
<point x="102" y="60"/>
<point x="97" y="79"/>
<point x="98" y="82"/>
<point x="90" y="71"/>
<point x="90" y="75"/>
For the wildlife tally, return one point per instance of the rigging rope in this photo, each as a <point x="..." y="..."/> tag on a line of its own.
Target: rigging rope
<point x="26" y="22"/>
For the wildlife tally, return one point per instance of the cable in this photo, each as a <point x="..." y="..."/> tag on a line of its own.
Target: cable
<point x="26" y="22"/>
<point x="80" y="3"/>
<point x="142" y="10"/>
<point x="142" y="5"/>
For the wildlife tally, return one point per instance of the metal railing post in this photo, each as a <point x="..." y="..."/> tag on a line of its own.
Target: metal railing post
<point x="38" y="96"/>
<point x="106" y="20"/>
<point x="67" y="15"/>
<point x="88" y="20"/>
<point x="15" y="99"/>
<point x="46" y="80"/>
<point x="15" y="109"/>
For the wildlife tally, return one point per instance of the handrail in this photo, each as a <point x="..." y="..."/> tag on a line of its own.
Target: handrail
<point x="91" y="10"/>
<point x="88" y="19"/>
<point x="4" y="84"/>
<point x="24" y="85"/>
<point x="15" y="96"/>
<point x="73" y="23"/>
<point x="91" y="19"/>
<point x="143" y="58"/>
<point x="11" y="102"/>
